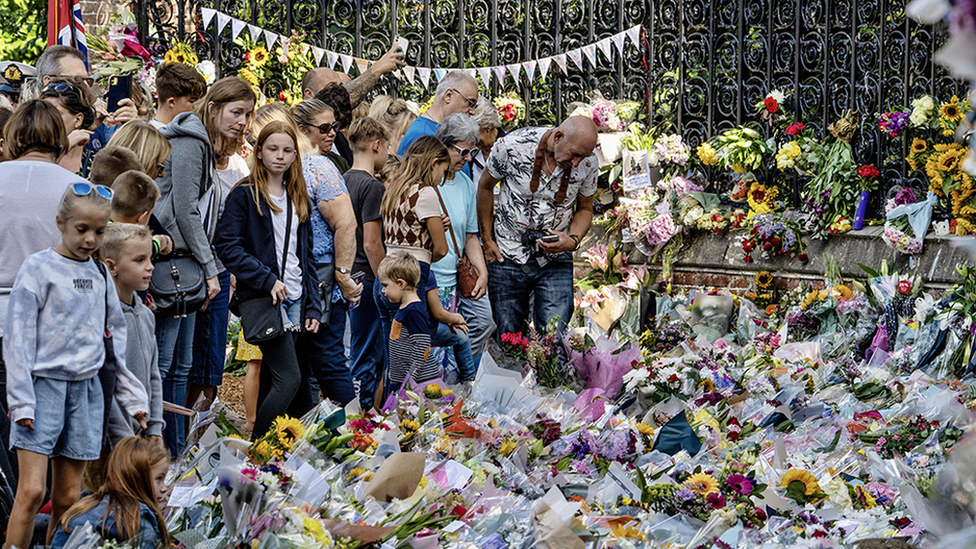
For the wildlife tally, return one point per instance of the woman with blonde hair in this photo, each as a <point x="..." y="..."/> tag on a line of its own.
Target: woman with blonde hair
<point x="150" y="146"/>
<point x="395" y="114"/>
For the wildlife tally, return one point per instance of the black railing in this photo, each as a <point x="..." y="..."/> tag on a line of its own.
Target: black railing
<point x="709" y="62"/>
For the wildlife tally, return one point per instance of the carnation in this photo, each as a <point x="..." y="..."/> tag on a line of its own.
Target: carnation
<point x="661" y="229"/>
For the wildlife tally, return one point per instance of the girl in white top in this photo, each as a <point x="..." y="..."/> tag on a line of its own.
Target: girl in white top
<point x="54" y="347"/>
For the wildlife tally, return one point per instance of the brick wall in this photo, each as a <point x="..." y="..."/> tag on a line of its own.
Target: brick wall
<point x="97" y="13"/>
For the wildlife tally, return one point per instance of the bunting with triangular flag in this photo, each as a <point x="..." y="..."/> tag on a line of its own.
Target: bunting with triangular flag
<point x="236" y="28"/>
<point x="577" y="57"/>
<point x="544" y="66"/>
<point x="424" y="74"/>
<point x="560" y="60"/>
<point x="590" y="53"/>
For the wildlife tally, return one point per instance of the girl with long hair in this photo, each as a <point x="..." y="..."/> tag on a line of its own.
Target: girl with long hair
<point x="127" y="506"/>
<point x="264" y="238"/>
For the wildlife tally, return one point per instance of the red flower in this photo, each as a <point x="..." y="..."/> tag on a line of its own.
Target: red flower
<point x="803" y="258"/>
<point x="768" y="246"/>
<point x="904" y="287"/>
<point x="771" y="105"/>
<point x="776" y="241"/>
<point x="281" y="96"/>
<point x="794" y="129"/>
<point x="747" y="259"/>
<point x="509" y="113"/>
<point x="868" y="171"/>
<point x="747" y="246"/>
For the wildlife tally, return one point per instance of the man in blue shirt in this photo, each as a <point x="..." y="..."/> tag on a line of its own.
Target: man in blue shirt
<point x="457" y="92"/>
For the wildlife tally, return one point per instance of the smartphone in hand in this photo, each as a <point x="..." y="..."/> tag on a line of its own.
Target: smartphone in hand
<point x="550" y="238"/>
<point x="119" y="88"/>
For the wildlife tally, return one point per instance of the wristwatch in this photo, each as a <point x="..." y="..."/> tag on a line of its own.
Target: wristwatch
<point x="342" y="270"/>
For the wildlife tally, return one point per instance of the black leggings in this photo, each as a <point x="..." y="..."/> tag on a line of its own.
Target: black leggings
<point x="284" y="383"/>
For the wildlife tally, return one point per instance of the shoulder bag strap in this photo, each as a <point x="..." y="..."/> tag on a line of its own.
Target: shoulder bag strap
<point x="101" y="269"/>
<point x="284" y="251"/>
<point x="450" y="226"/>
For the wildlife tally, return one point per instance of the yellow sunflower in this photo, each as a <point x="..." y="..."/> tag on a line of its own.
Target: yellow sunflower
<point x="809" y="481"/>
<point x="918" y="147"/>
<point x="248" y="76"/>
<point x="259" y="56"/>
<point x="288" y="430"/>
<point x="179" y="57"/>
<point x="949" y="160"/>
<point x="764" y="279"/>
<point x="950" y="110"/>
<point x="963" y="226"/>
<point x="843" y="291"/>
<point x="170" y="57"/>
<point x="702" y="484"/>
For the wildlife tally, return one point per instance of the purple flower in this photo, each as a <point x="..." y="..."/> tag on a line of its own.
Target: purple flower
<point x="716" y="500"/>
<point x="685" y="494"/>
<point x="739" y="484"/>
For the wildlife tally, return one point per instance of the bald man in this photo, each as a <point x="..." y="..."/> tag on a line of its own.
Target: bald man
<point x="316" y="79"/>
<point x="547" y="179"/>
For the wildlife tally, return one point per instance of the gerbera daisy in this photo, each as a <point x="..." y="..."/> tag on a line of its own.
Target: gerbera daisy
<point x="764" y="279"/>
<point x="288" y="430"/>
<point x="702" y="484"/>
<point x="739" y="484"/>
<point x="809" y="482"/>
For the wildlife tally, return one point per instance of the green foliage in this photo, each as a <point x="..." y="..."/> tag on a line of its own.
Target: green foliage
<point x="23" y="30"/>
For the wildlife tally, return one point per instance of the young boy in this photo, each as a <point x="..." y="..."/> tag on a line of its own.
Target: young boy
<point x="134" y="199"/>
<point x="409" y="346"/>
<point x="178" y="87"/>
<point x="127" y="250"/>
<point x="368" y="139"/>
<point x="110" y="162"/>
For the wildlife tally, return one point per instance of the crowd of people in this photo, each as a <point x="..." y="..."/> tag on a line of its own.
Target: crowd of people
<point x="129" y="237"/>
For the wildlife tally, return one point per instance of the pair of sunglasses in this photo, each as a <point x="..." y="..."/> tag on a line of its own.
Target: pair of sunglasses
<point x="326" y="128"/>
<point x="85" y="189"/>
<point x="470" y="153"/>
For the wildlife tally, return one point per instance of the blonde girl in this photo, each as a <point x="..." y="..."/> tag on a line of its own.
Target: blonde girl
<point x="150" y="146"/>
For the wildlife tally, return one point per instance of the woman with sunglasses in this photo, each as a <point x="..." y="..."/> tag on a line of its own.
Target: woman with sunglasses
<point x="317" y="121"/>
<point x="459" y="133"/>
<point x="75" y="103"/>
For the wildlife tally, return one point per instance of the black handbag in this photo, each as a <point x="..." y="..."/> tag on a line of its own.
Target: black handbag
<point x="178" y="285"/>
<point x="326" y="274"/>
<point x="261" y="316"/>
<point x="108" y="373"/>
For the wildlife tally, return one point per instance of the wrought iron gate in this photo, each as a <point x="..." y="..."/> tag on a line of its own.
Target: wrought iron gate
<point x="708" y="62"/>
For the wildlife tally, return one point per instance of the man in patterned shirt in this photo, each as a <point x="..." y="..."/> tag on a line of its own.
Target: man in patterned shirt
<point x="547" y="180"/>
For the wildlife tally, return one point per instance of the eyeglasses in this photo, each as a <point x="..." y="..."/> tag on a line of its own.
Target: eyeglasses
<point x="57" y="87"/>
<point x="74" y="78"/>
<point x="325" y="128"/>
<point x="471" y="102"/>
<point x="470" y="153"/>
<point x="85" y="189"/>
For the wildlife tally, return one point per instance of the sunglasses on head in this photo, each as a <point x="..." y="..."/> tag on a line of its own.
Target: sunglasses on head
<point x="471" y="153"/>
<point x="325" y="128"/>
<point x="85" y="189"/>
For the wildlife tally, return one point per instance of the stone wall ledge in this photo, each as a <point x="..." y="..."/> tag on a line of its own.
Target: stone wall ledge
<point x="715" y="260"/>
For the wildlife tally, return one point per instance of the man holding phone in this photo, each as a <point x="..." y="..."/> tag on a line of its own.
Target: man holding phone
<point x="547" y="181"/>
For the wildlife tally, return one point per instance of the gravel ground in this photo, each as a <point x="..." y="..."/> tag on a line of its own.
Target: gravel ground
<point x="231" y="393"/>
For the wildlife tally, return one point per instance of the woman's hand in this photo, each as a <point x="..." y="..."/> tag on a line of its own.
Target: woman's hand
<point x="78" y="138"/>
<point x="26" y="423"/>
<point x="141" y="418"/>
<point x="311" y="325"/>
<point x="279" y="292"/>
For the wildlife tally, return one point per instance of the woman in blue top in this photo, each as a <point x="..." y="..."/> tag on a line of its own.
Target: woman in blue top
<point x="459" y="133"/>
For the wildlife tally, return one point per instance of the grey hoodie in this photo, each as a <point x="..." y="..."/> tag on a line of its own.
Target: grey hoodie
<point x="191" y="171"/>
<point x="142" y="359"/>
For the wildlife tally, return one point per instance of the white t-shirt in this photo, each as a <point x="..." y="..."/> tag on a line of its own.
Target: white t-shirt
<point x="236" y="170"/>
<point x="293" y="269"/>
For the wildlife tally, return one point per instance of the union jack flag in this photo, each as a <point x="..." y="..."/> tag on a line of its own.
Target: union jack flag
<point x="65" y="26"/>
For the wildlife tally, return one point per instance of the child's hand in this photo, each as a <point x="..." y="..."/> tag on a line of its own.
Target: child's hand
<point x="457" y="323"/>
<point x="141" y="418"/>
<point x="165" y="244"/>
<point x="311" y="325"/>
<point x="279" y="293"/>
<point x="446" y="220"/>
<point x="28" y="423"/>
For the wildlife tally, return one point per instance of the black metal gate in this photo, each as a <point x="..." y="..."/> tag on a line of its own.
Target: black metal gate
<point x="708" y="62"/>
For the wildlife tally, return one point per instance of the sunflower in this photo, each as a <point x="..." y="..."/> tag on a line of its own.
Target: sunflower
<point x="248" y="76"/>
<point x="809" y="481"/>
<point x="764" y="279"/>
<point x="179" y="57"/>
<point x="259" y="56"/>
<point x="170" y="57"/>
<point x="949" y="160"/>
<point x="950" y="111"/>
<point x="843" y="291"/>
<point x="288" y="430"/>
<point x="918" y="147"/>
<point x="702" y="484"/>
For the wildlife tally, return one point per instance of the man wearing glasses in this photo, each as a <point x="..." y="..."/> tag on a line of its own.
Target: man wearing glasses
<point x="456" y="93"/>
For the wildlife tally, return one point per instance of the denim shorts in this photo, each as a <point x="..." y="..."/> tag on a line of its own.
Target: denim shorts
<point x="67" y="420"/>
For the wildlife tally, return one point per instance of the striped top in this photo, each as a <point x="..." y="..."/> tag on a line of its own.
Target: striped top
<point x="410" y="346"/>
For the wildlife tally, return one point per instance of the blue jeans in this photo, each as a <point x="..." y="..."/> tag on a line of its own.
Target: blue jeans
<point x="481" y="324"/>
<point x="458" y="341"/>
<point x="510" y="286"/>
<point x="174" y="335"/>
<point x="367" y="346"/>
<point x="326" y="355"/>
<point x="210" y="339"/>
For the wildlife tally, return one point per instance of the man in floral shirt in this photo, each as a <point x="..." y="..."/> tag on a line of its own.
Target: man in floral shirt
<point x="547" y="180"/>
